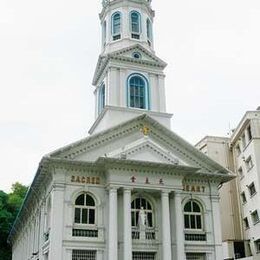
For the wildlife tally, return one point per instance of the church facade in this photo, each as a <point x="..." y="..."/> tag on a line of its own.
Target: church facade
<point x="132" y="189"/>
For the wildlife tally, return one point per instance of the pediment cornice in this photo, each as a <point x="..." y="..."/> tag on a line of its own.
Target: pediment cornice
<point x="145" y="144"/>
<point x="118" y="56"/>
<point x="170" y="140"/>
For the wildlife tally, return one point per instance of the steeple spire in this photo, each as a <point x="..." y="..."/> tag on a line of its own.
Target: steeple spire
<point x="129" y="77"/>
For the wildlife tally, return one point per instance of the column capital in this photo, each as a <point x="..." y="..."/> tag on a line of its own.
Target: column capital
<point x="112" y="188"/>
<point x="177" y="193"/>
<point x="127" y="189"/>
<point x="165" y="192"/>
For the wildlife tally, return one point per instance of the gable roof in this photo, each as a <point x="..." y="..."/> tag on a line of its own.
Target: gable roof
<point x="103" y="60"/>
<point x="172" y="140"/>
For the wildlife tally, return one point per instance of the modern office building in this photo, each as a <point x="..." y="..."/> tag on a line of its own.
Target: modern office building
<point x="240" y="199"/>
<point x="132" y="189"/>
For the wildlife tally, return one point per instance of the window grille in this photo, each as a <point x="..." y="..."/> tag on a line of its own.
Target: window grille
<point x="83" y="255"/>
<point x="194" y="256"/>
<point x="143" y="256"/>
<point x="195" y="237"/>
<point x="84" y="232"/>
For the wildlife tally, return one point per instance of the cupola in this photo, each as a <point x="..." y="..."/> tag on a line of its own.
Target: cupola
<point x="125" y="23"/>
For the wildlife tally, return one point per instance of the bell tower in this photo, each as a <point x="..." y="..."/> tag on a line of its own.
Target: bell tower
<point x="129" y="77"/>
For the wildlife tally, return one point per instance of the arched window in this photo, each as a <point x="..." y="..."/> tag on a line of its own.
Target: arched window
<point x="142" y="213"/>
<point x="135" y="24"/>
<point x="192" y="215"/>
<point x="138" y="92"/>
<point x="85" y="210"/>
<point x="116" y="26"/>
<point x="149" y="31"/>
<point x="102" y="95"/>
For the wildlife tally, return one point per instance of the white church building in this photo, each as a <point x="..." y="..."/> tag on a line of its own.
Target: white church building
<point x="132" y="189"/>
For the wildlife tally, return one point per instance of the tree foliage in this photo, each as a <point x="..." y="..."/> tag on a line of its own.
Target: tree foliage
<point x="9" y="207"/>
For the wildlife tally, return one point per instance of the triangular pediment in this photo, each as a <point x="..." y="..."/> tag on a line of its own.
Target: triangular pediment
<point x="141" y="138"/>
<point x="147" y="58"/>
<point x="145" y="149"/>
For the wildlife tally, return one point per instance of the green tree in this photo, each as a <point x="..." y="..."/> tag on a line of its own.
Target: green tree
<point x="16" y="197"/>
<point x="9" y="206"/>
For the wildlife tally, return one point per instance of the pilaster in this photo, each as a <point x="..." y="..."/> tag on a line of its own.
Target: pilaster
<point x="216" y="227"/>
<point x="179" y="227"/>
<point x="112" y="229"/>
<point x="166" y="230"/>
<point x="127" y="225"/>
<point x="56" y="227"/>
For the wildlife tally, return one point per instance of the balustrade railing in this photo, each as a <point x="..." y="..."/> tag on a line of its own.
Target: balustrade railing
<point x="76" y="232"/>
<point x="146" y="234"/>
<point x="195" y="237"/>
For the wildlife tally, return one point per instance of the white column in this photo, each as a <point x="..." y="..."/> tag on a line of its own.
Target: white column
<point x="216" y="227"/>
<point x="179" y="227"/>
<point x="56" y="227"/>
<point x="99" y="255"/>
<point x="112" y="229"/>
<point x="41" y="231"/>
<point x="166" y="230"/>
<point x="127" y="225"/>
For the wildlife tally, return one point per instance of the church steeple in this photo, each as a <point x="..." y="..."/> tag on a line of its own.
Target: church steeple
<point x="129" y="78"/>
<point x="125" y="23"/>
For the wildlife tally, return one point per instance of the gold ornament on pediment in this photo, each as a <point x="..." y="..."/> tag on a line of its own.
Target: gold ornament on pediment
<point x="145" y="130"/>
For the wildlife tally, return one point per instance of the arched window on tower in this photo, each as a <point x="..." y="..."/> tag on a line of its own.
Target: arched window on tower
<point x="138" y="96"/>
<point x="149" y="31"/>
<point x="135" y="24"/>
<point x="85" y="210"/>
<point x="116" y="26"/>
<point x="102" y="96"/>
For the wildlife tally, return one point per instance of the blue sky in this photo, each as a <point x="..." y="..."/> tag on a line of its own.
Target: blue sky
<point x="49" y="50"/>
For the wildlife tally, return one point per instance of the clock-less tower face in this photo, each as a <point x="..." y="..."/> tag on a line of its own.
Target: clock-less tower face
<point x="129" y="77"/>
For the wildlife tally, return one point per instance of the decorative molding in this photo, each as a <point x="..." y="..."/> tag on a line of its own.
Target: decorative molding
<point x="104" y="60"/>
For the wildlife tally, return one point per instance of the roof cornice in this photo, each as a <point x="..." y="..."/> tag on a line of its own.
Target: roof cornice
<point x="104" y="60"/>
